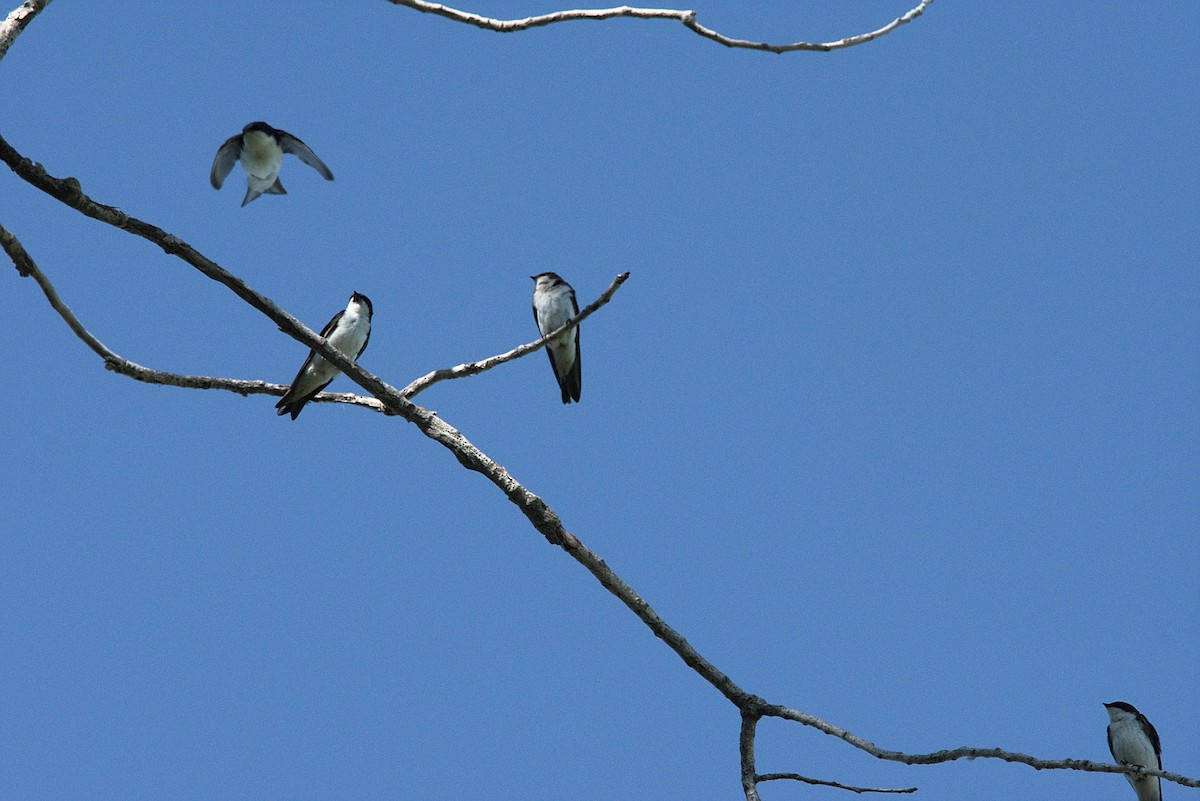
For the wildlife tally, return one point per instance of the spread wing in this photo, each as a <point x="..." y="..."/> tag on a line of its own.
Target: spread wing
<point x="227" y="154"/>
<point x="291" y="144"/>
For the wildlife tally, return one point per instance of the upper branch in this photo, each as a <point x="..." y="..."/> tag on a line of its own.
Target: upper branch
<point x="687" y="18"/>
<point x="16" y="21"/>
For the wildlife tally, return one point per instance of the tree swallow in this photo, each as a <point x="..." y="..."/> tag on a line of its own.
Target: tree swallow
<point x="1133" y="741"/>
<point x="261" y="149"/>
<point x="348" y="331"/>
<point x="553" y="307"/>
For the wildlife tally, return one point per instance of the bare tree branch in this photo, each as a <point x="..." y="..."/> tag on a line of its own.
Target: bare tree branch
<point x="746" y="750"/>
<point x="771" y="777"/>
<point x="687" y="18"/>
<point x="16" y="21"/>
<point x="950" y="755"/>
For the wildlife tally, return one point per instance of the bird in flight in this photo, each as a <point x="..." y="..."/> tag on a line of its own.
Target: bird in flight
<point x="260" y="149"/>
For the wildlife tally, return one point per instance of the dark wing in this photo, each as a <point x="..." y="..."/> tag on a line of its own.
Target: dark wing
<point x="332" y="324"/>
<point x="1153" y="738"/>
<point x="363" y="349"/>
<point x="563" y="381"/>
<point x="289" y="403"/>
<point x="227" y="154"/>
<point x="575" y="379"/>
<point x="291" y="144"/>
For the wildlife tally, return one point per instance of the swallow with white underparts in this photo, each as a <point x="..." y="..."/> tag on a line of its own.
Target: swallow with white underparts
<point x="553" y="307"/>
<point x="260" y="149"/>
<point x="348" y="331"/>
<point x="1133" y="741"/>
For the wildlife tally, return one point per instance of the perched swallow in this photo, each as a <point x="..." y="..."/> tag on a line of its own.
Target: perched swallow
<point x="1133" y="741"/>
<point x="553" y="307"/>
<point x="261" y="149"/>
<point x="348" y="331"/>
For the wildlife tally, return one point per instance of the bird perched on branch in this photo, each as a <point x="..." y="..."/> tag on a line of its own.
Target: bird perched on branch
<point x="1133" y="741"/>
<point x="348" y="331"/>
<point x="260" y="148"/>
<point x="553" y="307"/>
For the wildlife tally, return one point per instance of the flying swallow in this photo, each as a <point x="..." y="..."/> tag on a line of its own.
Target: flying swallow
<point x="1133" y="741"/>
<point x="261" y="149"/>
<point x="348" y="331"/>
<point x="553" y="307"/>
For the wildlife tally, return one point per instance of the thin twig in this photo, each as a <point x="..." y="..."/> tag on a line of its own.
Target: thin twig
<point x="475" y="368"/>
<point x="772" y="777"/>
<point x="687" y="18"/>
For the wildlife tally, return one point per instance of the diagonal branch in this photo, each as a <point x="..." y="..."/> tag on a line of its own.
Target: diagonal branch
<point x="686" y="18"/>
<point x="541" y="516"/>
<point x="475" y="368"/>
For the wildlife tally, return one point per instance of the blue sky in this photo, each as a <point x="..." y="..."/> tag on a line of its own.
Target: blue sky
<point x="896" y="419"/>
